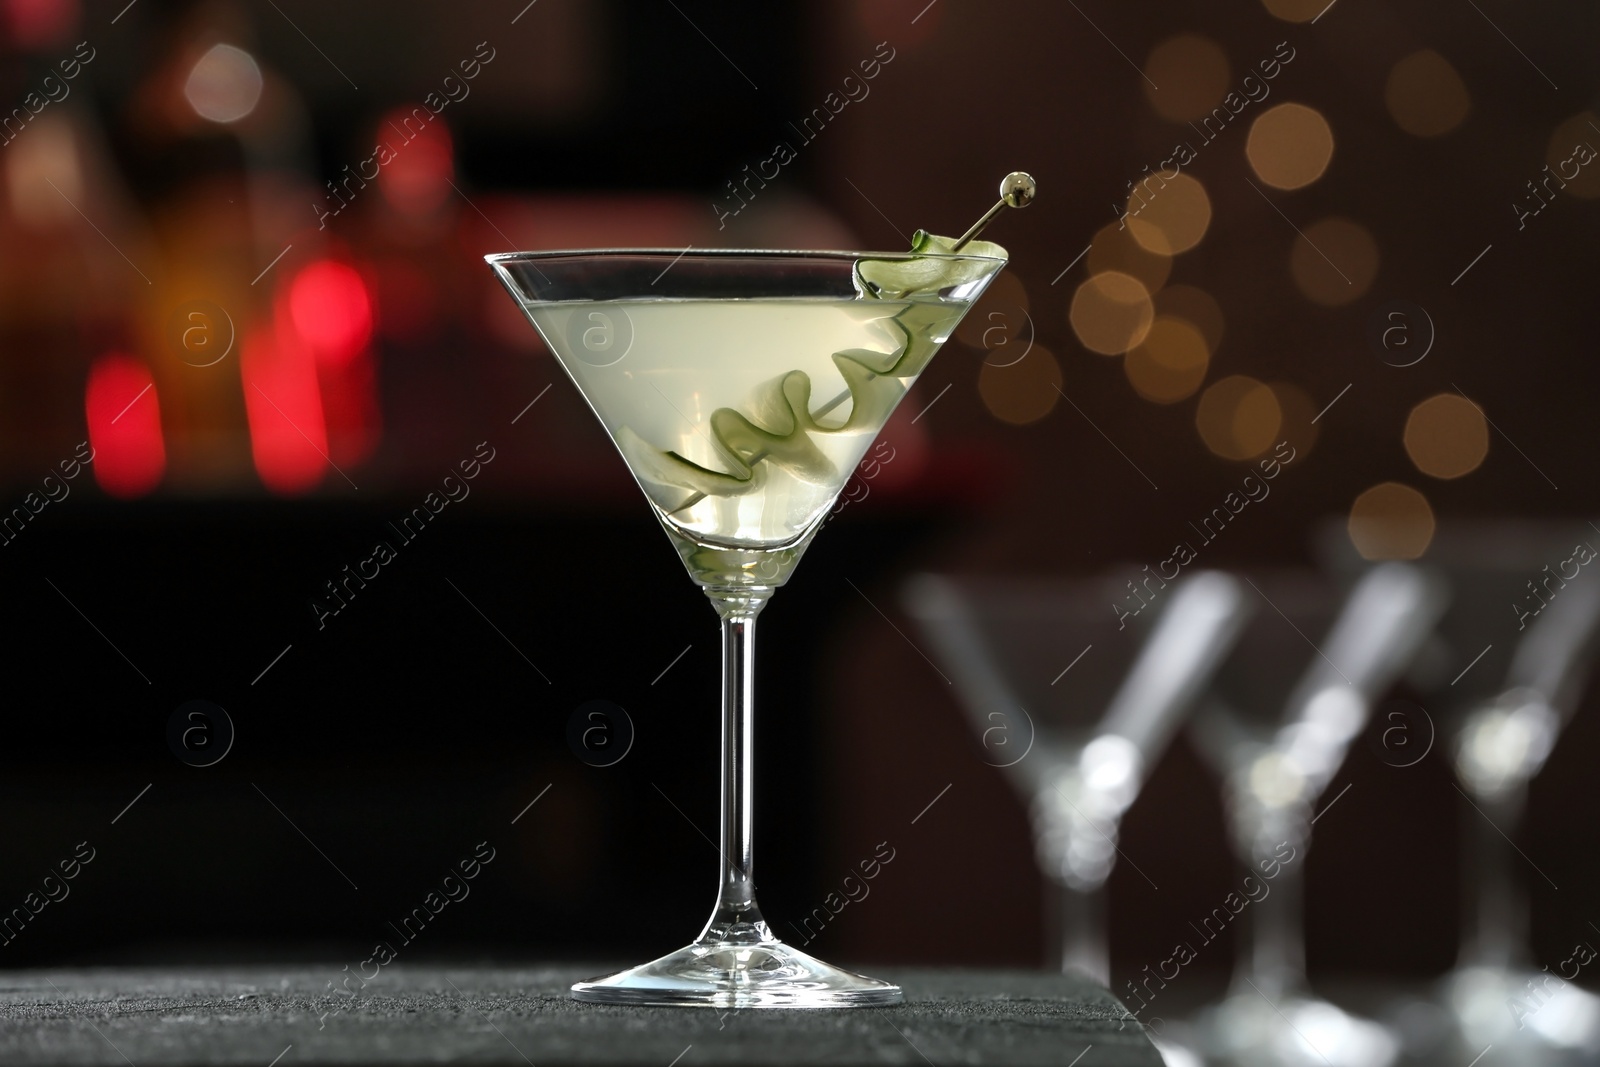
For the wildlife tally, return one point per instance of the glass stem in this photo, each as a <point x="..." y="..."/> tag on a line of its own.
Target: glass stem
<point x="1274" y="956"/>
<point x="1496" y="910"/>
<point x="737" y="917"/>
<point x="1082" y="916"/>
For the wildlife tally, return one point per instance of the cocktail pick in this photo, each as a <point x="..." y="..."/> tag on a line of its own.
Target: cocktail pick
<point x="1016" y="190"/>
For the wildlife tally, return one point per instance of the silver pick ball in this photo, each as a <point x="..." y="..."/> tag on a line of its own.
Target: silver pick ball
<point x="1018" y="189"/>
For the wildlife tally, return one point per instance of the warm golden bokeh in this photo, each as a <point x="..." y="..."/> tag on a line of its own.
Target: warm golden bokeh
<point x="1297" y="10"/>
<point x="1170" y="363"/>
<point x="1583" y="128"/>
<point x="1111" y="312"/>
<point x="1289" y="145"/>
<point x="1447" y="436"/>
<point x="1426" y="96"/>
<point x="1021" y="392"/>
<point x="1005" y="297"/>
<point x="1172" y="215"/>
<point x="1192" y="75"/>
<point x="1298" y="410"/>
<point x="1115" y="248"/>
<point x="45" y="173"/>
<point x="1238" y="417"/>
<point x="1198" y="307"/>
<point x="1334" y="261"/>
<point x="1391" y="521"/>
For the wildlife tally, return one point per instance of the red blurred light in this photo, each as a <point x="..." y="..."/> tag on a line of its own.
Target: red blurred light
<point x="38" y="23"/>
<point x="331" y="310"/>
<point x="288" y="438"/>
<point x="350" y="408"/>
<point x="124" y="419"/>
<point x="421" y="161"/>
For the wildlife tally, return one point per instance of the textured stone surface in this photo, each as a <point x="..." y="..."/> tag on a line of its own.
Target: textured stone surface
<point x="481" y="1015"/>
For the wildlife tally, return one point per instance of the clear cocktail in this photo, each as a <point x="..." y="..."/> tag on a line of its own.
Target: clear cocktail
<point x="742" y="389"/>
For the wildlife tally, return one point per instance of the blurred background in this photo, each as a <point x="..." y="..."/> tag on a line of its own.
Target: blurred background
<point x="240" y="265"/>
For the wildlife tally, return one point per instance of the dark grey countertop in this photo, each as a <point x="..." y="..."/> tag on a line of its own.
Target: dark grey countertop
<point x="503" y="1015"/>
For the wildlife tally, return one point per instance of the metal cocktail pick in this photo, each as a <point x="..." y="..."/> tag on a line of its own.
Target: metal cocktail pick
<point x="1017" y="189"/>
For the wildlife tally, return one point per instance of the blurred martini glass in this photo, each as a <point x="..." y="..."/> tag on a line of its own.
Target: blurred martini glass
<point x="743" y="388"/>
<point x="1077" y="738"/>
<point x="1505" y="672"/>
<point x="1277" y="726"/>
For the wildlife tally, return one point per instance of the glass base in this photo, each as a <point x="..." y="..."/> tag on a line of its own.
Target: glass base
<point x="1298" y="1031"/>
<point x="738" y="974"/>
<point x="1522" y="1011"/>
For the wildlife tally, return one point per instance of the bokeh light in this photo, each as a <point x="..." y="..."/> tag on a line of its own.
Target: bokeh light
<point x="224" y="85"/>
<point x="44" y="173"/>
<point x="1198" y="308"/>
<point x="1297" y="10"/>
<point x="1173" y="215"/>
<point x="1425" y="95"/>
<point x="1334" y="261"/>
<point x="1192" y="74"/>
<point x="1239" y="417"/>
<point x="1005" y="296"/>
<point x="1170" y="363"/>
<point x="1391" y="521"/>
<point x="1585" y="183"/>
<point x="123" y="413"/>
<point x="1115" y="248"/>
<point x="331" y="310"/>
<point x="1298" y="410"/>
<point x="1289" y="145"/>
<point x="416" y="178"/>
<point x="1021" y="392"/>
<point x="1447" y="436"/>
<point x="283" y="404"/>
<point x="34" y="24"/>
<point x="1111" y="312"/>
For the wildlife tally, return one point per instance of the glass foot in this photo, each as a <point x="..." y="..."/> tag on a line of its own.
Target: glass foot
<point x="723" y="974"/>
<point x="1523" y="1010"/>
<point x="1299" y="1031"/>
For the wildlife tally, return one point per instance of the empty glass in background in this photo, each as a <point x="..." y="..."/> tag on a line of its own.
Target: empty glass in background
<point x="1502" y="675"/>
<point x="1276" y="725"/>
<point x="1077" y="706"/>
<point x="742" y="389"/>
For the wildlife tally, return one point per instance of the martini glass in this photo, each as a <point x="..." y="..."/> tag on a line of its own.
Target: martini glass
<point x="1505" y="673"/>
<point x="742" y="389"/>
<point x="1078" y="738"/>
<point x="1277" y="726"/>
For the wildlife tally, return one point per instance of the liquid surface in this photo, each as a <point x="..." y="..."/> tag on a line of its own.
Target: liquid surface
<point x="742" y="419"/>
